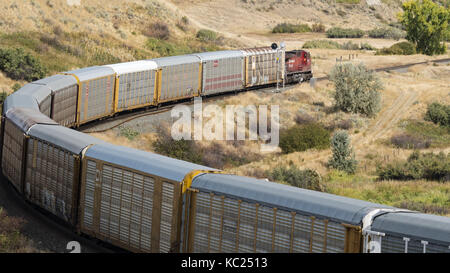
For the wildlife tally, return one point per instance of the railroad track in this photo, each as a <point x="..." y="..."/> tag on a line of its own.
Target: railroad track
<point x="124" y="117"/>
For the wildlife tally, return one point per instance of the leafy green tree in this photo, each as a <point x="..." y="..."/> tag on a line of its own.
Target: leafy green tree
<point x="357" y="89"/>
<point x="426" y="25"/>
<point x="343" y="158"/>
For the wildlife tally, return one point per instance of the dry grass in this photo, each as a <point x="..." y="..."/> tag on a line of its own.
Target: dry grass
<point x="11" y="240"/>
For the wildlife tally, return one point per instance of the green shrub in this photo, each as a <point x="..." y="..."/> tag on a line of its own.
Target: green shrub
<point x="350" y="46"/>
<point x="366" y="46"/>
<point x="20" y="65"/>
<point x="387" y="33"/>
<point x="337" y="32"/>
<point x="357" y="89"/>
<point x="129" y="133"/>
<point x="179" y="149"/>
<point x="322" y="44"/>
<point x="164" y="48"/>
<point x="438" y="135"/>
<point x="343" y="158"/>
<point x="303" y="137"/>
<point x="402" y="48"/>
<point x="306" y="179"/>
<point x="334" y="45"/>
<point x="438" y="114"/>
<point x="206" y="35"/>
<point x="428" y="166"/>
<point x="291" y="28"/>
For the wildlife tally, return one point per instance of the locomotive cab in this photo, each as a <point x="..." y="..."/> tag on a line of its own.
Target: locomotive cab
<point x="298" y="66"/>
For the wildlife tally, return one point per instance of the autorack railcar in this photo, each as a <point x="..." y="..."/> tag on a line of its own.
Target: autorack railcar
<point x="230" y="213"/>
<point x="16" y="122"/>
<point x="179" y="77"/>
<point x="133" y="198"/>
<point x="136" y="84"/>
<point x="221" y="71"/>
<point x="53" y="164"/>
<point x="95" y="92"/>
<point x="64" y="97"/>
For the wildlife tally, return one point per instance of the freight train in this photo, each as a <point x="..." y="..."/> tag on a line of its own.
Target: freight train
<point x="144" y="202"/>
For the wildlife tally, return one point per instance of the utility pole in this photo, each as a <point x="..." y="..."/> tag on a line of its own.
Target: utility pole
<point x="280" y="66"/>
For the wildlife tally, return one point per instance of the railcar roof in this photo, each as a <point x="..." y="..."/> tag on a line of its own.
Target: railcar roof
<point x="93" y="72"/>
<point x="419" y="225"/>
<point x="66" y="138"/>
<point x="151" y="163"/>
<point x="57" y="82"/>
<point x="130" y="67"/>
<point x="16" y="100"/>
<point x="38" y="91"/>
<point x="176" y="60"/>
<point x="27" y="117"/>
<point x="208" y="56"/>
<point x="308" y="202"/>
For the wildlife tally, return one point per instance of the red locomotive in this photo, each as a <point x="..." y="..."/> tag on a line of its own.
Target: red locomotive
<point x="298" y="66"/>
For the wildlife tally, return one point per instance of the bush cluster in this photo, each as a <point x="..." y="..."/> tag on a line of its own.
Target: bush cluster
<point x="206" y="35"/>
<point x="428" y="166"/>
<point x="366" y="46"/>
<point x="322" y="44"/>
<point x="306" y="179"/>
<point x="158" y="30"/>
<point x="179" y="149"/>
<point x="438" y="114"/>
<point x="357" y="89"/>
<point x="334" y="45"/>
<point x="129" y="133"/>
<point x="303" y="137"/>
<point x="291" y="28"/>
<point x="20" y="65"/>
<point x="407" y="141"/>
<point x="337" y="32"/>
<point x="387" y="33"/>
<point x="350" y="46"/>
<point x="402" y="48"/>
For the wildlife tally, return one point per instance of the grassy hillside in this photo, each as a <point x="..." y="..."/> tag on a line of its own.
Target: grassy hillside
<point x="64" y="37"/>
